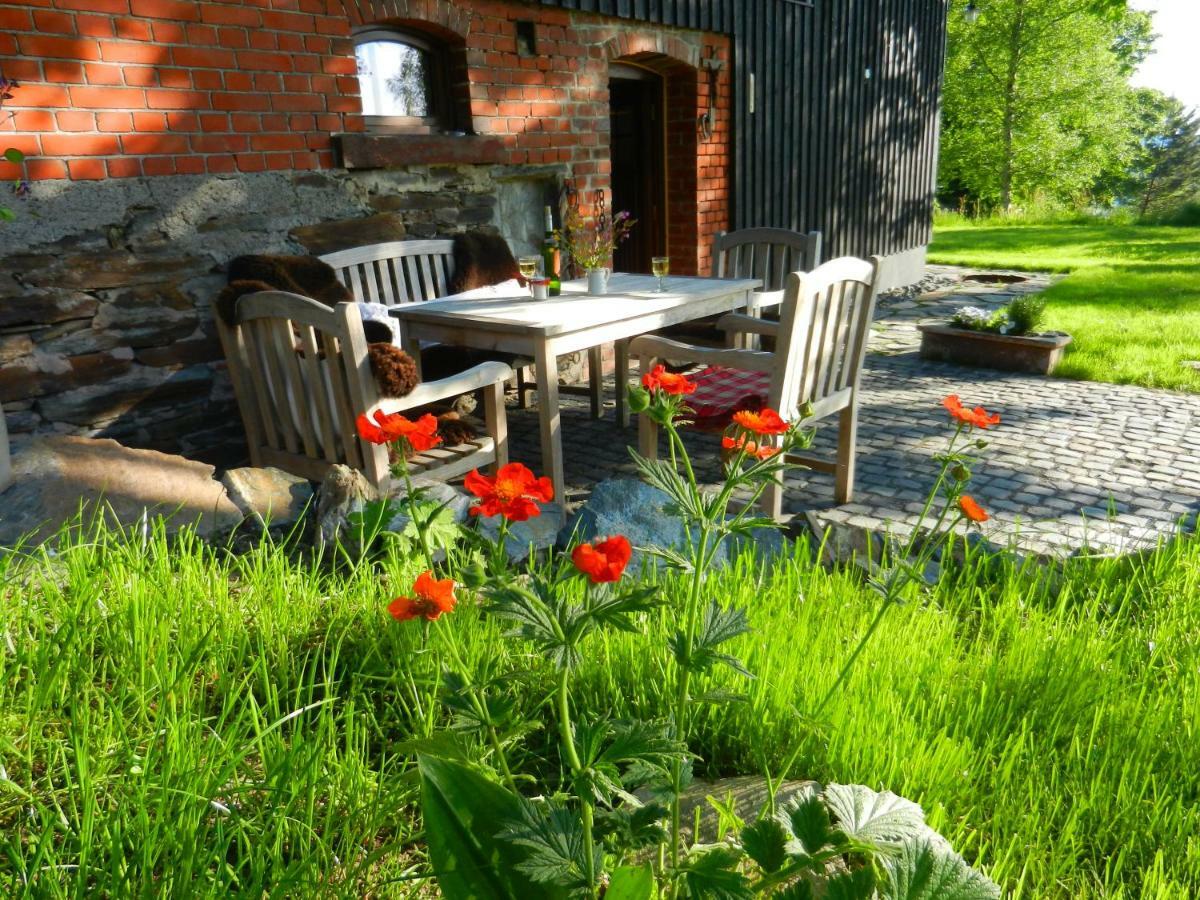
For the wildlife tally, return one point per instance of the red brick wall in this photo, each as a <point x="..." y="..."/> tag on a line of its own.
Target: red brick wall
<point x="124" y="88"/>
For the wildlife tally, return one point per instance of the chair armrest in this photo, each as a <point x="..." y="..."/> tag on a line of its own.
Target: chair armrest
<point x="738" y="322"/>
<point x="659" y="347"/>
<point x="482" y="375"/>
<point x="764" y="299"/>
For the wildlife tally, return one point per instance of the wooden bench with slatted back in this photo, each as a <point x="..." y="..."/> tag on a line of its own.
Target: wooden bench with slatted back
<point x="399" y="272"/>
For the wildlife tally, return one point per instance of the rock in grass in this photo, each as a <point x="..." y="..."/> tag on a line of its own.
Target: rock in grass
<point x="269" y="496"/>
<point x="644" y="515"/>
<point x="343" y="493"/>
<point x="539" y="533"/>
<point x="53" y="477"/>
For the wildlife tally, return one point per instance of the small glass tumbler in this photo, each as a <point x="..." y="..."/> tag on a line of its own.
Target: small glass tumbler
<point x="529" y="268"/>
<point x="660" y="266"/>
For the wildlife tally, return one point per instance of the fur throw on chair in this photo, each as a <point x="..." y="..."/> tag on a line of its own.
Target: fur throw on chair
<point x="394" y="370"/>
<point x="482" y="259"/>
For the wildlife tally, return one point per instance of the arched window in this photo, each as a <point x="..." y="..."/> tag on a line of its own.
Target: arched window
<point x="402" y="79"/>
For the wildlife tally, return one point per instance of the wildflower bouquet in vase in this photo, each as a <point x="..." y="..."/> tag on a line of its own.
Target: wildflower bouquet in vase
<point x="591" y="241"/>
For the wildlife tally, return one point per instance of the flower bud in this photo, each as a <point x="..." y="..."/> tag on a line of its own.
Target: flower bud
<point x="960" y="473"/>
<point x="639" y="399"/>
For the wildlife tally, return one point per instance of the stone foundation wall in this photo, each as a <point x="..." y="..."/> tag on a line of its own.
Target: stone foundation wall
<point x="106" y="325"/>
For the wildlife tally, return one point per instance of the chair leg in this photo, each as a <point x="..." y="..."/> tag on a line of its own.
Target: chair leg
<point x="496" y="420"/>
<point x="847" y="447"/>
<point x="523" y="388"/>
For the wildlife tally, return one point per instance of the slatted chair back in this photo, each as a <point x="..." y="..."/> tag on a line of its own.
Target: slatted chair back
<point x="395" y="272"/>
<point x="301" y="374"/>
<point x="825" y="321"/>
<point x="769" y="254"/>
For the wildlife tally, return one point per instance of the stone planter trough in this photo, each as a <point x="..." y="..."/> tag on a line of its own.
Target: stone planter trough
<point x="1037" y="354"/>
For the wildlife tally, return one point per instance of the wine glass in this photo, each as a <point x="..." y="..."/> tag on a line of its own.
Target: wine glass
<point x="529" y="266"/>
<point x="660" y="266"/>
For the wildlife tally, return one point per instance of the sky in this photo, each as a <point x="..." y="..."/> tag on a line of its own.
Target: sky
<point x="1175" y="66"/>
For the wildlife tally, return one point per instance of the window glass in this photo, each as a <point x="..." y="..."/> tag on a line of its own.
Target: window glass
<point x="394" y="79"/>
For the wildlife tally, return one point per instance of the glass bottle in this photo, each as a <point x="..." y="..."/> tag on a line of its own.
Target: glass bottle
<point x="552" y="255"/>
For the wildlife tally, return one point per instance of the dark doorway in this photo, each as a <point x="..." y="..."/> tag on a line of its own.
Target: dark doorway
<point x="638" y="163"/>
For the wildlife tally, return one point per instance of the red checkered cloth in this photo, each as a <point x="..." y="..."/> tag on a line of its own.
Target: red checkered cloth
<point x="720" y="392"/>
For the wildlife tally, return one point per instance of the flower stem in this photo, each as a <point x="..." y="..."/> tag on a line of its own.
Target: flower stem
<point x="566" y="732"/>
<point x="411" y="502"/>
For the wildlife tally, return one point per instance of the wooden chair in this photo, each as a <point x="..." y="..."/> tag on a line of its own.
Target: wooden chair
<point x="399" y="272"/>
<point x="770" y="254"/>
<point x="820" y="342"/>
<point x="301" y="376"/>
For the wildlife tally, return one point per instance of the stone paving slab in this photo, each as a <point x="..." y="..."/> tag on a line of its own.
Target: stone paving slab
<point x="1074" y="466"/>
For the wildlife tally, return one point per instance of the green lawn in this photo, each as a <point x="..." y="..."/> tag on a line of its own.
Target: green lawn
<point x="1132" y="300"/>
<point x="178" y="721"/>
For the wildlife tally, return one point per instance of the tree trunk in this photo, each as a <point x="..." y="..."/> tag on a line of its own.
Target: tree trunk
<point x="1016" y="33"/>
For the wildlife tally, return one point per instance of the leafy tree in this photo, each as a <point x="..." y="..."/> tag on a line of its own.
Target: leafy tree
<point x="1036" y="98"/>
<point x="1165" y="173"/>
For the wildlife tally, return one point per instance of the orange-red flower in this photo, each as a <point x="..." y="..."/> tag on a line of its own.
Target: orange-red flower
<point x="389" y="427"/>
<point x="971" y="509"/>
<point x="978" y="417"/>
<point x="605" y="561"/>
<point x="659" y="379"/>
<point x="764" y="421"/>
<point x="750" y="447"/>
<point x="431" y="599"/>
<point x="513" y="492"/>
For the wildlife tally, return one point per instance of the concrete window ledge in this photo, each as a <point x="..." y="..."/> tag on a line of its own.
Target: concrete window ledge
<point x="388" y="151"/>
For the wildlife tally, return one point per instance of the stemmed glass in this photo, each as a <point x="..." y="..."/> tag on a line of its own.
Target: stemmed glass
<point x="660" y="266"/>
<point x="529" y="267"/>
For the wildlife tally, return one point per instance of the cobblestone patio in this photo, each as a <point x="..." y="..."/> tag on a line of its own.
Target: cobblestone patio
<point x="1073" y="466"/>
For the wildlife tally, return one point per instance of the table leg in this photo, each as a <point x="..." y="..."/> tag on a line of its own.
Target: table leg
<point x="596" y="380"/>
<point x="621" y="352"/>
<point x="547" y="383"/>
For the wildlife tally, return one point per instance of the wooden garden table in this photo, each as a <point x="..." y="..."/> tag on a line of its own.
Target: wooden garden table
<point x="576" y="320"/>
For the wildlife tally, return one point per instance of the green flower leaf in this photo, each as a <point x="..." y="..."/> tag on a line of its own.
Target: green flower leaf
<point x="631" y="883"/>
<point x="923" y="871"/>
<point x="13" y="155"/>
<point x="766" y="842"/>
<point x="714" y="875"/>
<point x="807" y="819"/>
<point x="881" y="819"/>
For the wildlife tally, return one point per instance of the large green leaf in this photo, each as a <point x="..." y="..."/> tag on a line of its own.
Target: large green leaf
<point x="922" y="871"/>
<point x="631" y="883"/>
<point x="883" y="819"/>
<point x="464" y="813"/>
<point x="857" y="884"/>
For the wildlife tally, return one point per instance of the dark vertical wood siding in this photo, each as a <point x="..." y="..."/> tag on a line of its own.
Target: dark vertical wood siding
<point x="827" y="147"/>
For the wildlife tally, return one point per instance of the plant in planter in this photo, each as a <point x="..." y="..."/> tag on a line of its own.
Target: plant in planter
<point x="1004" y="339"/>
<point x="603" y="817"/>
<point x="591" y="242"/>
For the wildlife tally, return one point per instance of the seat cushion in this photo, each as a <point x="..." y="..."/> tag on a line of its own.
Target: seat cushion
<point x="721" y="391"/>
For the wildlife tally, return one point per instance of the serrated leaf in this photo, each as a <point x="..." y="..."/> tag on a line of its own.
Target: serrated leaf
<point x="713" y="874"/>
<point x="765" y="842"/>
<point x="552" y="835"/>
<point x="876" y="818"/>
<point x="641" y="741"/>
<point x="631" y="883"/>
<point x="720" y="624"/>
<point x="807" y="820"/>
<point x="617" y="609"/>
<point x="922" y="871"/>
<point x="857" y="884"/>
<point x="634" y="826"/>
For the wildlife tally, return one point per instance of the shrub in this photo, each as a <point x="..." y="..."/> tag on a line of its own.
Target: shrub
<point x="1026" y="313"/>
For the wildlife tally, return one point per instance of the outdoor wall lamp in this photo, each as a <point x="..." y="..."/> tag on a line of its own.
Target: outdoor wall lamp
<point x="971" y="13"/>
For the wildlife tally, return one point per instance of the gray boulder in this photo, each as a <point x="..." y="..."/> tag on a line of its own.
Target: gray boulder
<point x="269" y="496"/>
<point x="643" y="514"/>
<point x="539" y="533"/>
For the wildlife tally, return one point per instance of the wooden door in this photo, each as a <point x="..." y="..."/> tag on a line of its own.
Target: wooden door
<point x="638" y="163"/>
